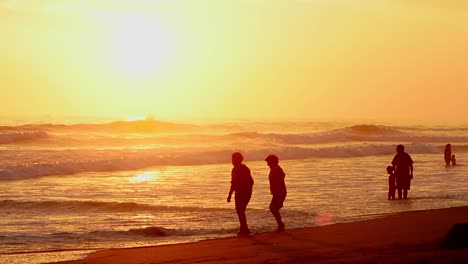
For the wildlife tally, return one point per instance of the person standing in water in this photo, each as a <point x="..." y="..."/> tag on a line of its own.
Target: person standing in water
<point x="454" y="160"/>
<point x="242" y="184"/>
<point x="448" y="154"/>
<point x="277" y="189"/>
<point x="403" y="168"/>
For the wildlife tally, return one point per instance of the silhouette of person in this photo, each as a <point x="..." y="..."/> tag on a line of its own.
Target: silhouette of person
<point x="454" y="160"/>
<point x="277" y="189"/>
<point x="241" y="184"/>
<point x="448" y="154"/>
<point x="391" y="183"/>
<point x="403" y="167"/>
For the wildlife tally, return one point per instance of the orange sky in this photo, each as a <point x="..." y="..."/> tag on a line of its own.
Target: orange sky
<point x="224" y="60"/>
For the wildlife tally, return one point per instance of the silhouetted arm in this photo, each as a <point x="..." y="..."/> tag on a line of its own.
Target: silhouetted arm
<point x="411" y="170"/>
<point x="231" y="190"/>
<point x="411" y="166"/>
<point x="394" y="164"/>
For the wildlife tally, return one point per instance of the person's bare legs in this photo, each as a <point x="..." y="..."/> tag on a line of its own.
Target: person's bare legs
<point x="243" y="222"/>
<point x="275" y="212"/>
<point x="241" y="205"/>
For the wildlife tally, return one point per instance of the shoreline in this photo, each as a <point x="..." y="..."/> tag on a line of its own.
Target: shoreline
<point x="406" y="237"/>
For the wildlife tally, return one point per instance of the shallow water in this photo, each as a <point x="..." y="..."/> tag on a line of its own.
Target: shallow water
<point x="188" y="203"/>
<point x="68" y="190"/>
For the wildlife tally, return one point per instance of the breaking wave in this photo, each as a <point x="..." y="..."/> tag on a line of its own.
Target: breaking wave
<point x="121" y="160"/>
<point x="117" y="235"/>
<point x="139" y="126"/>
<point x="16" y="137"/>
<point x="75" y="152"/>
<point x="128" y="133"/>
<point x="55" y="206"/>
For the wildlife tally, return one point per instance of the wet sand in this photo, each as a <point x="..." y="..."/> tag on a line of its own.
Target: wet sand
<point x="409" y="237"/>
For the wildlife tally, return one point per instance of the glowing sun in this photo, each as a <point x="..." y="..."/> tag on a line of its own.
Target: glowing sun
<point x="141" y="47"/>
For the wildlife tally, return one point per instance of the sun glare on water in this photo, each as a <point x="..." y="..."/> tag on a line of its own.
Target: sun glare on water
<point x="146" y="176"/>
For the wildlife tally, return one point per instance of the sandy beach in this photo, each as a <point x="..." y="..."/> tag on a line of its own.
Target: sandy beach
<point x="409" y="237"/>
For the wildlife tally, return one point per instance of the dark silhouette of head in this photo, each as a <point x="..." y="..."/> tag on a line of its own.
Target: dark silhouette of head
<point x="389" y="169"/>
<point x="237" y="158"/>
<point x="448" y="149"/>
<point x="400" y="148"/>
<point x="272" y="160"/>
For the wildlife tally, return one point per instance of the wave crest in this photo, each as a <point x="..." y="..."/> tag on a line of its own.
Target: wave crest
<point x="138" y="126"/>
<point x="92" y="206"/>
<point x="134" y="160"/>
<point x="14" y="137"/>
<point x="372" y="129"/>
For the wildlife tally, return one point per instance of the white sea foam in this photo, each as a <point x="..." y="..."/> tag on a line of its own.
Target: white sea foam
<point x="73" y="162"/>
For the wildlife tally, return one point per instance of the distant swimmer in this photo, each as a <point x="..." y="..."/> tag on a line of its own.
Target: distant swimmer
<point x="448" y="154"/>
<point x="454" y="160"/>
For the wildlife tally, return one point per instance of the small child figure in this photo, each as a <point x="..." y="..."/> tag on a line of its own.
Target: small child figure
<point x="391" y="183"/>
<point x="454" y="160"/>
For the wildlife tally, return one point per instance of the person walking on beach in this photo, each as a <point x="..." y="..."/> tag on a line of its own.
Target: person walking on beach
<point x="277" y="189"/>
<point x="241" y="183"/>
<point x="448" y="154"/>
<point x="403" y="168"/>
<point x="391" y="183"/>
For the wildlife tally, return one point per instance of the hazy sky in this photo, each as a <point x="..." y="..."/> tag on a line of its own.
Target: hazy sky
<point x="257" y="60"/>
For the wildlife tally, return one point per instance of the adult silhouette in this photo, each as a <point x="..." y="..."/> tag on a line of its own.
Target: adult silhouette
<point x="277" y="189"/>
<point x="241" y="184"/>
<point x="403" y="167"/>
<point x="448" y="154"/>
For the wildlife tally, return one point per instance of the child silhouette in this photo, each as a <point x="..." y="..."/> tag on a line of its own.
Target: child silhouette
<point x="391" y="183"/>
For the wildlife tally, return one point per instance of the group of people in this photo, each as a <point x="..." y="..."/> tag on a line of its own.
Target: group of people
<point x="400" y="173"/>
<point x="399" y="181"/>
<point x="242" y="184"/>
<point x="448" y="156"/>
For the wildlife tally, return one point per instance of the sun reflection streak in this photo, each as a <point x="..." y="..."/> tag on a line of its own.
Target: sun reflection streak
<point x="146" y="176"/>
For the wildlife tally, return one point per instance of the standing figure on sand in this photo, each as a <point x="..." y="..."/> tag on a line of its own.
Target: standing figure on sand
<point x="277" y="189"/>
<point x="242" y="184"/>
<point x="403" y="168"/>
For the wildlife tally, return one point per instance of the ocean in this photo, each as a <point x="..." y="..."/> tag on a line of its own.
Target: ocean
<point x="71" y="189"/>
